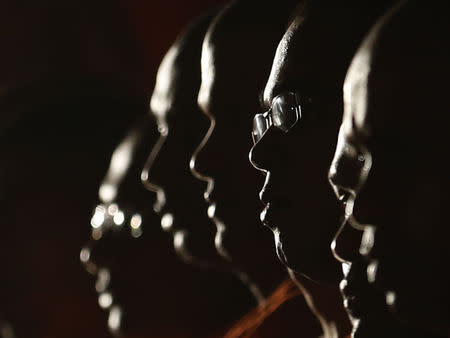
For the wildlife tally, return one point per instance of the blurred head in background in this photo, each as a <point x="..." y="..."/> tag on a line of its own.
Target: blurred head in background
<point x="236" y="58"/>
<point x="180" y="127"/>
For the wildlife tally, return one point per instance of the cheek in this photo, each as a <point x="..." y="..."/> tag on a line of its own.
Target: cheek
<point x="368" y="206"/>
<point x="425" y="218"/>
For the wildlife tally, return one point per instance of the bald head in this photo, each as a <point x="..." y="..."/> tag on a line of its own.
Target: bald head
<point x="238" y="51"/>
<point x="178" y="78"/>
<point x="395" y="114"/>
<point x="400" y="74"/>
<point x="316" y="50"/>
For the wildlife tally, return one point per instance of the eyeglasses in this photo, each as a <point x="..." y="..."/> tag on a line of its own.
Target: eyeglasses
<point x="284" y="114"/>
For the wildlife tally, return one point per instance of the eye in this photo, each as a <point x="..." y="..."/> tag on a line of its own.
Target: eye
<point x="286" y="111"/>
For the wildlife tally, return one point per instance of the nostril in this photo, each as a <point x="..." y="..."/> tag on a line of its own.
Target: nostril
<point x="343" y="195"/>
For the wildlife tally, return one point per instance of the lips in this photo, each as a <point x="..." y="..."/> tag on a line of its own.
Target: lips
<point x="353" y="304"/>
<point x="263" y="215"/>
<point x="265" y="193"/>
<point x="275" y="205"/>
<point x="358" y="295"/>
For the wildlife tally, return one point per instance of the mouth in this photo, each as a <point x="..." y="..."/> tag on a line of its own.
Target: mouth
<point x="212" y="210"/>
<point x="167" y="222"/>
<point x="264" y="216"/>
<point x="356" y="292"/>
<point x="160" y="201"/>
<point x="106" y="299"/>
<point x="352" y="304"/>
<point x="220" y="231"/>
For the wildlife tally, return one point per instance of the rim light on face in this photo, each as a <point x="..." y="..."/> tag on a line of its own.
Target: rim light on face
<point x="348" y="158"/>
<point x="193" y="162"/>
<point x="163" y="129"/>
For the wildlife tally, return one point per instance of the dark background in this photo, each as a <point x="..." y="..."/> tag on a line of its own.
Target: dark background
<point x="73" y="76"/>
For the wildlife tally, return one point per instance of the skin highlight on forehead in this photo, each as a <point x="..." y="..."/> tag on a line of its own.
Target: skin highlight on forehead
<point x="208" y="74"/>
<point x="355" y="89"/>
<point x="285" y="63"/>
<point x="355" y="92"/>
<point x="163" y="94"/>
<point x="237" y="54"/>
<point x="279" y="65"/>
<point x="178" y="77"/>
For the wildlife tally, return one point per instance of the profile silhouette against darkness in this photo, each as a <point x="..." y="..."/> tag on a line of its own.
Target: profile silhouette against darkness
<point x="174" y="107"/>
<point x="118" y="224"/>
<point x="387" y="168"/>
<point x="140" y="281"/>
<point x="236" y="56"/>
<point x="181" y="127"/>
<point x="294" y="139"/>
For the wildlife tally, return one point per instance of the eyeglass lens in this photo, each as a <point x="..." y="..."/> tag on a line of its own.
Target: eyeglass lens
<point x="285" y="111"/>
<point x="260" y="126"/>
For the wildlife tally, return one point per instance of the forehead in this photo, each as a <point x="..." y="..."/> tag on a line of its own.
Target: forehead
<point x="233" y="70"/>
<point x="278" y="71"/>
<point x="355" y="93"/>
<point x="356" y="84"/>
<point x="289" y="64"/>
<point x="178" y="77"/>
<point x="367" y="90"/>
<point x="207" y="75"/>
<point x="237" y="54"/>
<point x="166" y="79"/>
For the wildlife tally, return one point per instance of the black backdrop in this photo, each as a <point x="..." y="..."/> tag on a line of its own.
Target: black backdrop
<point x="73" y="76"/>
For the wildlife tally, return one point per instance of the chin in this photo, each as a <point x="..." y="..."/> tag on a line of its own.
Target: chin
<point x="308" y="263"/>
<point x="279" y="248"/>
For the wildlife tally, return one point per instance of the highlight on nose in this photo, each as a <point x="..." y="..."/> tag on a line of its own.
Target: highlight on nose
<point x="145" y="176"/>
<point x="194" y="165"/>
<point x="252" y="157"/>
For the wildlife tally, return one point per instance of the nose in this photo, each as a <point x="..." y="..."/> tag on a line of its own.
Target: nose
<point x="338" y="183"/>
<point x="341" y="192"/>
<point x="146" y="177"/>
<point x="96" y="254"/>
<point x="252" y="156"/>
<point x="196" y="164"/>
<point x="259" y="152"/>
<point x="346" y="244"/>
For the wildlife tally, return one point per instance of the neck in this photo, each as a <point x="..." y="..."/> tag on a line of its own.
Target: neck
<point x="326" y="304"/>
